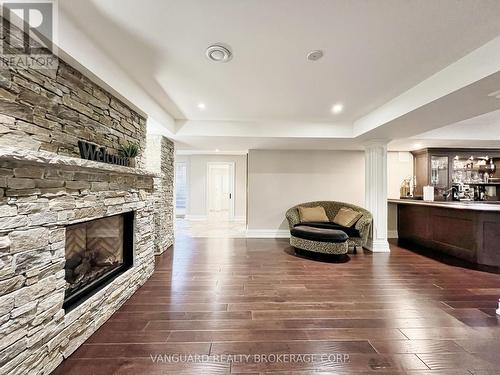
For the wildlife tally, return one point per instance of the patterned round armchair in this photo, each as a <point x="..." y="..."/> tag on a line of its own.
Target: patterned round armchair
<point x="358" y="234"/>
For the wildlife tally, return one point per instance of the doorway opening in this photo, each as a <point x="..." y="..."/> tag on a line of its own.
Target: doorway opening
<point x="220" y="191"/>
<point x="180" y="189"/>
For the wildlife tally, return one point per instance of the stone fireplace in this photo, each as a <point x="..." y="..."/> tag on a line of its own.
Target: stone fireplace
<point x="96" y="251"/>
<point x="77" y="237"/>
<point x="76" y="241"/>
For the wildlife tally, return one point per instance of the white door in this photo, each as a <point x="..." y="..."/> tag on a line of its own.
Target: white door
<point x="220" y="190"/>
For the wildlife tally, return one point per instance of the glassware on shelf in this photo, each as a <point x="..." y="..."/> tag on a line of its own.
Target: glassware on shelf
<point x="475" y="176"/>
<point x="475" y="170"/>
<point x="439" y="171"/>
<point x="457" y="176"/>
<point x="491" y="167"/>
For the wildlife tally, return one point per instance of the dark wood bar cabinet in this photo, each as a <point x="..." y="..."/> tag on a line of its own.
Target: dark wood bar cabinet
<point x="469" y="231"/>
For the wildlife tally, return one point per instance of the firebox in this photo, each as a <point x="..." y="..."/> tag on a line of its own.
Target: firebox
<point x="96" y="252"/>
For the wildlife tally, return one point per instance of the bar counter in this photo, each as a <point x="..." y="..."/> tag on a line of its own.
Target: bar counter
<point x="466" y="230"/>
<point x="466" y="205"/>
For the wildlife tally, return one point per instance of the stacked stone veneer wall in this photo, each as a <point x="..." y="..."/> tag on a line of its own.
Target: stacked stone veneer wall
<point x="53" y="109"/>
<point x="37" y="201"/>
<point x="44" y="186"/>
<point x="160" y="158"/>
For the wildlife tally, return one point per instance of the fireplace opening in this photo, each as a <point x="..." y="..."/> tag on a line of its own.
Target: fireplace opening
<point x="96" y="252"/>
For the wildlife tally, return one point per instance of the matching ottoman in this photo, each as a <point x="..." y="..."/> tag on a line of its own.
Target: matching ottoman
<point x="319" y="240"/>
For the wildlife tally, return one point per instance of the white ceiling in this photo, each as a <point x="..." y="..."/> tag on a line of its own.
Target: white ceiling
<point x="374" y="52"/>
<point x="481" y="131"/>
<point x="485" y="126"/>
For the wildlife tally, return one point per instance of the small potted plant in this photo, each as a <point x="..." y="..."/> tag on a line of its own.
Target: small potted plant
<point x="129" y="150"/>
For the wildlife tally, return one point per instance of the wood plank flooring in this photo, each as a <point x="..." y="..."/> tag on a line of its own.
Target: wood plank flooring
<point x="216" y="299"/>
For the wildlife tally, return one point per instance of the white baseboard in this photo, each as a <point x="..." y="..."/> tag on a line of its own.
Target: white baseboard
<point x="392" y="234"/>
<point x="196" y="217"/>
<point x="268" y="233"/>
<point x="378" y="246"/>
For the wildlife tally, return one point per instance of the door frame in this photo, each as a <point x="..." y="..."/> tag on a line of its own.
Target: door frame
<point x="232" y="183"/>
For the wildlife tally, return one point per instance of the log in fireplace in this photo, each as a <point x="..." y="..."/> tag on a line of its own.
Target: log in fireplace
<point x="96" y="252"/>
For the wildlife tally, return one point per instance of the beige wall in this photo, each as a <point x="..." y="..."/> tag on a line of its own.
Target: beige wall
<point x="399" y="167"/>
<point x="278" y="180"/>
<point x="197" y="182"/>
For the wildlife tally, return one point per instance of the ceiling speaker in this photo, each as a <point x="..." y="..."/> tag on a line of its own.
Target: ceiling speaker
<point x="219" y="53"/>
<point x="315" y="55"/>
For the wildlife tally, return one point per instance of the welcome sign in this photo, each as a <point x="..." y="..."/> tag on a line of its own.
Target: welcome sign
<point x="93" y="152"/>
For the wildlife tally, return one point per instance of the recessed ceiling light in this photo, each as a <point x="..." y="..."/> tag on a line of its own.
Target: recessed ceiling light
<point x="201" y="106"/>
<point x="417" y="145"/>
<point x="315" y="55"/>
<point x="217" y="150"/>
<point x="337" y="108"/>
<point x="219" y="53"/>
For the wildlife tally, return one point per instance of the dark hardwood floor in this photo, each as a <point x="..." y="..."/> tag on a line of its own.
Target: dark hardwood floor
<point x="397" y="313"/>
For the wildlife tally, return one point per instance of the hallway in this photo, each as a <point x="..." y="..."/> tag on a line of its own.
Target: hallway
<point x="378" y="314"/>
<point x="211" y="228"/>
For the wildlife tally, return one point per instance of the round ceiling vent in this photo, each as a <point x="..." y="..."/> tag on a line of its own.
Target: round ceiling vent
<point x="219" y="53"/>
<point x="315" y="55"/>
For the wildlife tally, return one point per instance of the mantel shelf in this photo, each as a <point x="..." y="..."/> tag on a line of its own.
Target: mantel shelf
<point x="67" y="162"/>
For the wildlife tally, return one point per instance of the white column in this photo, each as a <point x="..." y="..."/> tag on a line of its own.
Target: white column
<point x="376" y="193"/>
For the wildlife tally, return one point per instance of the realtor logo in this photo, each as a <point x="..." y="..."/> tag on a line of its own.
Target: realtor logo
<point x="28" y="34"/>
